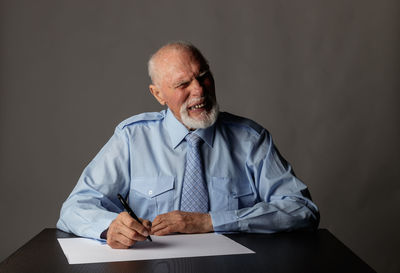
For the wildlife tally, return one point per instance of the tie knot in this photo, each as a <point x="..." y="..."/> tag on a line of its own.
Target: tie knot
<point x="193" y="139"/>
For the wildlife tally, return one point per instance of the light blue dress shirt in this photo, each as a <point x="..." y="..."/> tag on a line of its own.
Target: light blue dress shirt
<point x="251" y="187"/>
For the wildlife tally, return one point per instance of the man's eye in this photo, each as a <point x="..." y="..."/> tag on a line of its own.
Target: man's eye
<point x="183" y="85"/>
<point x="203" y="76"/>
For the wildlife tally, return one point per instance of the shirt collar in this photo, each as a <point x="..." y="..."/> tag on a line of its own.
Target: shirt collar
<point x="177" y="131"/>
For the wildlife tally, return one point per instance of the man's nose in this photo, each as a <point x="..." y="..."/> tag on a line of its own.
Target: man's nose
<point x="196" y="88"/>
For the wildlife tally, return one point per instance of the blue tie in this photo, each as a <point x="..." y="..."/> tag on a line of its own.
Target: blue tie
<point x="194" y="191"/>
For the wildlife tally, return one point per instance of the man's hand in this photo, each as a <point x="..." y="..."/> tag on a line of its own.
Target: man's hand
<point x="183" y="222"/>
<point x="125" y="231"/>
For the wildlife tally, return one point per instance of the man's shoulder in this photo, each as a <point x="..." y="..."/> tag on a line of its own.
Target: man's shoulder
<point x="143" y="118"/>
<point x="240" y="123"/>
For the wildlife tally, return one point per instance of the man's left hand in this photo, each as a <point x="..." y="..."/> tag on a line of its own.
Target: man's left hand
<point x="183" y="222"/>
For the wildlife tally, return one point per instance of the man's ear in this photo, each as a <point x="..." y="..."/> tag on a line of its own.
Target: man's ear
<point x="156" y="92"/>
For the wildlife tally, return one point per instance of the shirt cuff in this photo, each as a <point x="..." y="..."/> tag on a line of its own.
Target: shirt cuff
<point x="101" y="226"/>
<point x="224" y="221"/>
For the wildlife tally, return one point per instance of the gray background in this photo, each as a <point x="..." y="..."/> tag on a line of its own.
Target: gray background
<point x="322" y="76"/>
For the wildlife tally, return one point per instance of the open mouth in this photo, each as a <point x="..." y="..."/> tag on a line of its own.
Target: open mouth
<point x="197" y="106"/>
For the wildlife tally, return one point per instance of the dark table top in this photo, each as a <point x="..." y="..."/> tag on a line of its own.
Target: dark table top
<point x="300" y="251"/>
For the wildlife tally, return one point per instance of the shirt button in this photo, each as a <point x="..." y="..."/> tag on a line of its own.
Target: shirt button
<point x="150" y="192"/>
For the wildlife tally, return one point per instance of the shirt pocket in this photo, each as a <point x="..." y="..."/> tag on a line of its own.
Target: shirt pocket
<point x="151" y="196"/>
<point x="230" y="194"/>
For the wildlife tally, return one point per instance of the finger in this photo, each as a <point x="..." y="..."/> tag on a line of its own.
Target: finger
<point x="163" y="228"/>
<point x="118" y="240"/>
<point x="164" y="231"/>
<point x="156" y="228"/>
<point x="157" y="225"/>
<point x="162" y="218"/>
<point x="131" y="223"/>
<point x="157" y="220"/>
<point x="130" y="233"/>
<point x="118" y="235"/>
<point x="125" y="225"/>
<point x="147" y="224"/>
<point x="122" y="239"/>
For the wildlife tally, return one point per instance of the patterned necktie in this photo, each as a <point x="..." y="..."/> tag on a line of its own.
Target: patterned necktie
<point x="194" y="191"/>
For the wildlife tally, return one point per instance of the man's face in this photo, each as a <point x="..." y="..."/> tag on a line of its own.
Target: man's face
<point x="186" y="86"/>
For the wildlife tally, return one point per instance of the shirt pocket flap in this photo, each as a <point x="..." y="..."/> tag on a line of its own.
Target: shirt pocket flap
<point x="152" y="186"/>
<point x="235" y="188"/>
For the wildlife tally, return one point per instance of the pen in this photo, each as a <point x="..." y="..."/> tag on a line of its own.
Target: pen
<point x="130" y="212"/>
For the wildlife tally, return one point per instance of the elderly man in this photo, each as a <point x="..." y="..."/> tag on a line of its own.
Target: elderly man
<point x="187" y="169"/>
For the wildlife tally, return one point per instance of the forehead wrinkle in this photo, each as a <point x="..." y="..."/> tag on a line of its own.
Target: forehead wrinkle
<point x="184" y="76"/>
<point x="178" y="66"/>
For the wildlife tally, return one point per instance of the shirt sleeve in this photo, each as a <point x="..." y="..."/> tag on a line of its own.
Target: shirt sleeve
<point x="283" y="202"/>
<point x="93" y="203"/>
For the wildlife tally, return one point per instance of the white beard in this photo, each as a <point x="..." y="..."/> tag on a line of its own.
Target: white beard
<point x="206" y="119"/>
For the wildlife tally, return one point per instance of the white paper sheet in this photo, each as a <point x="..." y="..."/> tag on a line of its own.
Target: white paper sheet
<point x="83" y="250"/>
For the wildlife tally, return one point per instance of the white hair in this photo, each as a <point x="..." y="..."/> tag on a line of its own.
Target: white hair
<point x="176" y="45"/>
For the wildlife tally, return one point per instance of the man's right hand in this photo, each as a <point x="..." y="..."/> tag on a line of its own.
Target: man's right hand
<point x="125" y="231"/>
